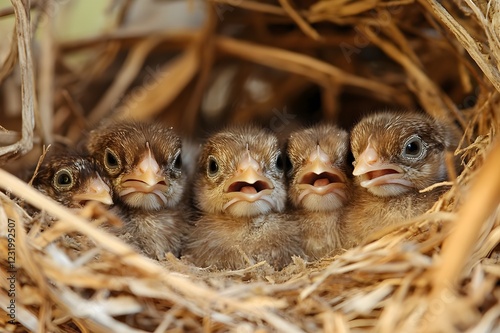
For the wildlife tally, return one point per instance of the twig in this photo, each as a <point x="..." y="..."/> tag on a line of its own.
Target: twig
<point x="472" y="47"/>
<point x="125" y="77"/>
<point x="303" y="25"/>
<point x="45" y="150"/>
<point x="483" y="199"/>
<point x="432" y="98"/>
<point x="27" y="81"/>
<point x="304" y="65"/>
<point x="175" y="75"/>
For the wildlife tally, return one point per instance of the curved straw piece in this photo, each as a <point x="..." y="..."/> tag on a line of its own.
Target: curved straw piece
<point x="483" y="200"/>
<point x="27" y="78"/>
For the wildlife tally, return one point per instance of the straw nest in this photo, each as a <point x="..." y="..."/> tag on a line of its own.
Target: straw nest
<point x="330" y="60"/>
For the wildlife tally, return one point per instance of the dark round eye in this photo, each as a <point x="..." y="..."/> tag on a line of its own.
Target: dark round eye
<point x="178" y="161"/>
<point x="63" y="179"/>
<point x="280" y="163"/>
<point x="414" y="148"/>
<point x="110" y="159"/>
<point x="288" y="164"/>
<point x="213" y="166"/>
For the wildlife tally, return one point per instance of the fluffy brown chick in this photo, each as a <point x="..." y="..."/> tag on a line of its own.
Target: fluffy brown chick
<point x="397" y="154"/>
<point x="72" y="179"/>
<point x="319" y="185"/>
<point x="143" y="161"/>
<point x="240" y="191"/>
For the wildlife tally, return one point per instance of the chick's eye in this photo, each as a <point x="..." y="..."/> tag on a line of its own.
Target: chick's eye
<point x="280" y="163"/>
<point x="110" y="159"/>
<point x="213" y="166"/>
<point x="63" y="179"/>
<point x="288" y="164"/>
<point x="178" y="161"/>
<point x="414" y="148"/>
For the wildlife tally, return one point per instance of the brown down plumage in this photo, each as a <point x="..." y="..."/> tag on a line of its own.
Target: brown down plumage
<point x="144" y="164"/>
<point x="396" y="156"/>
<point x="319" y="185"/>
<point x="240" y="191"/>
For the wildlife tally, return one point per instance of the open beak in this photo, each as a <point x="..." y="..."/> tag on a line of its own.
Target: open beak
<point x="372" y="171"/>
<point x="248" y="183"/>
<point x="96" y="190"/>
<point x="319" y="177"/>
<point x="146" y="177"/>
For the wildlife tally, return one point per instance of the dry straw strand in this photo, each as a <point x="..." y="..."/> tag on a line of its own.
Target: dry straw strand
<point x="468" y="42"/>
<point x="23" y="31"/>
<point x="484" y="199"/>
<point x="74" y="277"/>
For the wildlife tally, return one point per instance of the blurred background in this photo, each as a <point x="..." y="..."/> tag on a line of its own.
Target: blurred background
<point x="199" y="65"/>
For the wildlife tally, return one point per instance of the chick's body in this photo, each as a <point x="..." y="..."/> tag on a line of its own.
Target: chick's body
<point x="72" y="179"/>
<point x="319" y="186"/>
<point x="240" y="191"/>
<point x="143" y="161"/>
<point x="396" y="156"/>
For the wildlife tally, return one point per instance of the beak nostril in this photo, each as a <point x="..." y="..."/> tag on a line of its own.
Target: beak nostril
<point x="371" y="155"/>
<point x="248" y="162"/>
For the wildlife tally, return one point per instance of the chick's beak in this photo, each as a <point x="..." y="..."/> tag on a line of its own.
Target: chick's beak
<point x="374" y="171"/>
<point x="319" y="176"/>
<point x="146" y="177"/>
<point x="96" y="190"/>
<point x="248" y="183"/>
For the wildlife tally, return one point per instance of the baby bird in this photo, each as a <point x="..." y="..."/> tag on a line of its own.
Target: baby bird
<point x="144" y="164"/>
<point x="72" y="180"/>
<point x="319" y="186"/>
<point x="396" y="156"/>
<point x="240" y="191"/>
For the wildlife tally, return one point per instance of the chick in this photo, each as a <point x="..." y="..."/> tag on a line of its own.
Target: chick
<point x="144" y="164"/>
<point x="240" y="191"/>
<point x="396" y="156"/>
<point x="72" y="180"/>
<point x="319" y="185"/>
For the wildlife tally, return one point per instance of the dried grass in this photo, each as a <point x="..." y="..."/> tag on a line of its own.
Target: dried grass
<point x="437" y="273"/>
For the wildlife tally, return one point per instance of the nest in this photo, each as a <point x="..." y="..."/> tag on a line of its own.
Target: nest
<point x="281" y="64"/>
